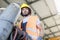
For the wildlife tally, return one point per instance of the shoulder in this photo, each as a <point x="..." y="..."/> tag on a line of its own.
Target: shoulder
<point x="34" y="16"/>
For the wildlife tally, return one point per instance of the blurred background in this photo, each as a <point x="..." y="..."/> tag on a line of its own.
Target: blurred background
<point x="47" y="10"/>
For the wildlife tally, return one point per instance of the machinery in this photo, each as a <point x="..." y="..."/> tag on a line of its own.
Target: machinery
<point x="7" y="19"/>
<point x="1" y="10"/>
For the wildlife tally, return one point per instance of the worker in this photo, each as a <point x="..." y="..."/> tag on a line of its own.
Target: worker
<point x="31" y="25"/>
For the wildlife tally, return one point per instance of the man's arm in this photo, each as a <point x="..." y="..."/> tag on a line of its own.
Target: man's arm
<point x="41" y="30"/>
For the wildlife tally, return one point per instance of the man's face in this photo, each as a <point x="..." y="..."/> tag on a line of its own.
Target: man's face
<point x="25" y="11"/>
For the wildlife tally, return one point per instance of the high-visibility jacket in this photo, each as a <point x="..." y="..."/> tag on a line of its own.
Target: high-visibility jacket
<point x="31" y="28"/>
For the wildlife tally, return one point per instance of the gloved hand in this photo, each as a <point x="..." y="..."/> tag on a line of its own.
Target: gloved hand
<point x="23" y="35"/>
<point x="20" y="34"/>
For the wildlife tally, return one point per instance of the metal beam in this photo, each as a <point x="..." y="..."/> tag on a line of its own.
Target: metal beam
<point x="6" y="1"/>
<point x="48" y="17"/>
<point x="31" y="2"/>
<point x="52" y="26"/>
<point x="53" y="33"/>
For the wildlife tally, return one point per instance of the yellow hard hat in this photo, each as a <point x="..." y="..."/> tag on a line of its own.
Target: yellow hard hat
<point x="24" y="5"/>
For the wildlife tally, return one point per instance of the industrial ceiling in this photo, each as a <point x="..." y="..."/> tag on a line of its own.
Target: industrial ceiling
<point x="46" y="10"/>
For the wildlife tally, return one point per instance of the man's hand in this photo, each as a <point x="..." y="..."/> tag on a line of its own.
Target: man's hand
<point x="24" y="35"/>
<point x="41" y="32"/>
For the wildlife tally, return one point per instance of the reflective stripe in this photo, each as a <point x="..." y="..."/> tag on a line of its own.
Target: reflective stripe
<point x="31" y="29"/>
<point x="33" y="37"/>
<point x="32" y="33"/>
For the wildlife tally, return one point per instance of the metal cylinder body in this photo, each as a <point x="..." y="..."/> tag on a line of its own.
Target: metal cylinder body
<point x="6" y="20"/>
